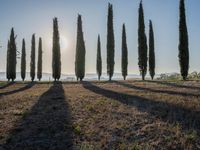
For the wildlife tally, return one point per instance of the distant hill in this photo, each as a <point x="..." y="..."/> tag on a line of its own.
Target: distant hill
<point x="71" y="77"/>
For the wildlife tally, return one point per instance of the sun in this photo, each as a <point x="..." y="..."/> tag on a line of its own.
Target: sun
<point x="64" y="43"/>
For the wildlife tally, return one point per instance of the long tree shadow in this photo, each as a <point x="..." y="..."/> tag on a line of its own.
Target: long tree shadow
<point x="26" y="87"/>
<point x="155" y="90"/>
<point x="6" y="85"/>
<point x="189" y="119"/>
<point x="175" y="85"/>
<point x="46" y="126"/>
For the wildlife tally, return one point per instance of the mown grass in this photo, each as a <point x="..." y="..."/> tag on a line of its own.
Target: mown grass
<point x="104" y="115"/>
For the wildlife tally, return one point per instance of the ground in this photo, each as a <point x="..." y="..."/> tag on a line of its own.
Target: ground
<point x="100" y="115"/>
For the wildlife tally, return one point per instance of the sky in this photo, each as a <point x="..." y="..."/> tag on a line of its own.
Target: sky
<point x="36" y="16"/>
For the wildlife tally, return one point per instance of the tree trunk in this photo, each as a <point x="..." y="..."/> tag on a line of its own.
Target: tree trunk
<point x="184" y="78"/>
<point x="110" y="78"/>
<point x="143" y="77"/>
<point x="124" y="78"/>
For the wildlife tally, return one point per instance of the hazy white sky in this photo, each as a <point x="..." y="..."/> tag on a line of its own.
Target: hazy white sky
<point x="35" y="16"/>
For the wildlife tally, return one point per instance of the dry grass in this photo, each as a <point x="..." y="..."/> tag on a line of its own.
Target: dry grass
<point x="100" y="115"/>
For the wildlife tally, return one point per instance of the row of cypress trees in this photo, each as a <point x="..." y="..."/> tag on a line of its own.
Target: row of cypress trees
<point x="12" y="58"/>
<point x="142" y="44"/>
<point x="143" y="52"/>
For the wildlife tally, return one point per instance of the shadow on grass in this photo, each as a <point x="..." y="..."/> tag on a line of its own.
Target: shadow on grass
<point x="189" y="119"/>
<point x="175" y="85"/>
<point x="6" y="85"/>
<point x="46" y="126"/>
<point x="131" y="86"/>
<point x="26" y="87"/>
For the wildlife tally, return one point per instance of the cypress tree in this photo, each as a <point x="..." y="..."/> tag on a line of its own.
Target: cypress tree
<point x="32" y="64"/>
<point x="39" y="69"/>
<point x="8" y="62"/>
<point x="183" y="42"/>
<point x="56" y="62"/>
<point x="12" y="56"/>
<point x="124" y="53"/>
<point x="23" y="61"/>
<point x="151" y="51"/>
<point x="142" y="43"/>
<point x="99" y="60"/>
<point x="80" y="52"/>
<point x="110" y="43"/>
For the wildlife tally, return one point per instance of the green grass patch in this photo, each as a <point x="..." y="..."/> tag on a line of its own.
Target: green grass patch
<point x="77" y="129"/>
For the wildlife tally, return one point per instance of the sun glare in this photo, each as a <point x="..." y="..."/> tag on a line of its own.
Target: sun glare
<point x="64" y="43"/>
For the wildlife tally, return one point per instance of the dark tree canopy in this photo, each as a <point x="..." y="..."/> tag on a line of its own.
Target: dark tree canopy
<point x="124" y="53"/>
<point x="56" y="57"/>
<point x="80" y="52"/>
<point x="142" y="43"/>
<point x="99" y="60"/>
<point x="32" y="64"/>
<point x="110" y="43"/>
<point x="8" y="62"/>
<point x="12" y="56"/>
<point x="23" y="61"/>
<point x="39" y="69"/>
<point x="151" y="51"/>
<point x="183" y="42"/>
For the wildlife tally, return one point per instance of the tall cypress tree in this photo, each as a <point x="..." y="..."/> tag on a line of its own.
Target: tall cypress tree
<point x="110" y="43"/>
<point x="151" y="51"/>
<point x="80" y="52"/>
<point x="183" y="42"/>
<point x="8" y="62"/>
<point x="12" y="56"/>
<point x="32" y="64"/>
<point x="124" y="53"/>
<point x="142" y="43"/>
<point x="99" y="60"/>
<point x="56" y="62"/>
<point x="39" y="69"/>
<point x="23" y="61"/>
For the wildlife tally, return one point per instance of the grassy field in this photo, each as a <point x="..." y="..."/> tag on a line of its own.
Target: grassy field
<point x="100" y="115"/>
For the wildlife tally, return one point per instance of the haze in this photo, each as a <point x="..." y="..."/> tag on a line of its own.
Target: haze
<point x="28" y="17"/>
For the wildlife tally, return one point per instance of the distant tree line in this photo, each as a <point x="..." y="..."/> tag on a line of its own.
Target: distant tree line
<point x="146" y="51"/>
